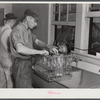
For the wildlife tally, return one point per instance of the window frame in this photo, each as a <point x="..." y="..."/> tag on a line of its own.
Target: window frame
<point x="59" y="22"/>
<point x="81" y="37"/>
<point x="52" y="23"/>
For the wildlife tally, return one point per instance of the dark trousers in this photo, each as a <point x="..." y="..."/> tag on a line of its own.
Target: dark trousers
<point x="22" y="73"/>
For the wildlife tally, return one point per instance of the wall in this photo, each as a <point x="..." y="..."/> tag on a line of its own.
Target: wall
<point x="7" y="7"/>
<point x="42" y="10"/>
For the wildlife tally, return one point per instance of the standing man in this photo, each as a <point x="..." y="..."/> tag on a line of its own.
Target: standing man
<point x="5" y="58"/>
<point x="22" y="49"/>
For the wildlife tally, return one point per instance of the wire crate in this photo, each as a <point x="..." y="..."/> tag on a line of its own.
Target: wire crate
<point x="52" y="68"/>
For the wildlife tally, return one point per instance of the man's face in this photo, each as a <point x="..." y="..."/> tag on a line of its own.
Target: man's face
<point x="12" y="22"/>
<point x="32" y="22"/>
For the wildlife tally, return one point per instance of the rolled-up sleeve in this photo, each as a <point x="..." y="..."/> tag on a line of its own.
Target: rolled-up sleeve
<point x="17" y="37"/>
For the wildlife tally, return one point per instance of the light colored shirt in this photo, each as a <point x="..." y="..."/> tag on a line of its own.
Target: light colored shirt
<point x="21" y="35"/>
<point x="5" y="56"/>
<point x="5" y="32"/>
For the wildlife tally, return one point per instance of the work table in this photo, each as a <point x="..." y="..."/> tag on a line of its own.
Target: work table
<point x="72" y="82"/>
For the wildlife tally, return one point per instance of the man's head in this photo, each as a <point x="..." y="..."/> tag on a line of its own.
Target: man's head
<point x="10" y="19"/>
<point x="31" y="18"/>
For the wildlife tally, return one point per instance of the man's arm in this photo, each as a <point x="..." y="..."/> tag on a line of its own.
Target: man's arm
<point x="4" y="38"/>
<point x="45" y="46"/>
<point x="19" y="44"/>
<point x="20" y="48"/>
<point x="42" y="44"/>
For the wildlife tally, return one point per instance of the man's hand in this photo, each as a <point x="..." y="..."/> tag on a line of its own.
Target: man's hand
<point x="44" y="52"/>
<point x="54" y="50"/>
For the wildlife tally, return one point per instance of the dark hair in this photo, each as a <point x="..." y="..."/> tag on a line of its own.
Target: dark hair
<point x="29" y="13"/>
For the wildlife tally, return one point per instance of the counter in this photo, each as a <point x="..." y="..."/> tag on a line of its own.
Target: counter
<point x="72" y="82"/>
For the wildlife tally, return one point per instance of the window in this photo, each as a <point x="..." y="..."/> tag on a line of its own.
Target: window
<point x="64" y="12"/>
<point x="64" y="17"/>
<point x="94" y="32"/>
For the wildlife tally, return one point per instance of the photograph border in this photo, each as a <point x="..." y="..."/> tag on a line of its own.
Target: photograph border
<point x="48" y="94"/>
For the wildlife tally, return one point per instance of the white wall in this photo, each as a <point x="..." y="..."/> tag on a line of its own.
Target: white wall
<point x="7" y="7"/>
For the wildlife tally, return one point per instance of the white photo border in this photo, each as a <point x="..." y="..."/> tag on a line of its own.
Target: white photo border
<point x="45" y="93"/>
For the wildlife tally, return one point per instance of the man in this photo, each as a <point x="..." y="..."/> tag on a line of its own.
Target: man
<point x="5" y="59"/>
<point x="22" y="49"/>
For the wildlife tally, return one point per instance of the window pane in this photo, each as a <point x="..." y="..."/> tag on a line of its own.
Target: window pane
<point x="94" y="37"/>
<point x="65" y="34"/>
<point x="56" y="12"/>
<point x="63" y="12"/>
<point x="94" y="7"/>
<point x="72" y="12"/>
